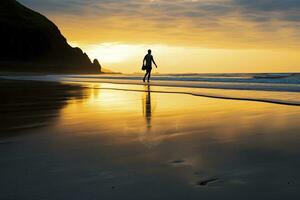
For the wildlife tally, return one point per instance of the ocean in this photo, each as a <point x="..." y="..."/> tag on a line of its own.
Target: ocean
<point x="280" y="88"/>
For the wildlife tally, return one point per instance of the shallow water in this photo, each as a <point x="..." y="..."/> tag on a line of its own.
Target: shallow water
<point x="102" y="143"/>
<point x="284" y="89"/>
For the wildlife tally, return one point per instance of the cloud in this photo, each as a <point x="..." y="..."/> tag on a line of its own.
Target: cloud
<point x="227" y="17"/>
<point x="269" y="5"/>
<point x="205" y="10"/>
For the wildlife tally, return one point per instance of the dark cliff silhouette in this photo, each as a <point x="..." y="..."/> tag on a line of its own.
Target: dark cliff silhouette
<point x="31" y="42"/>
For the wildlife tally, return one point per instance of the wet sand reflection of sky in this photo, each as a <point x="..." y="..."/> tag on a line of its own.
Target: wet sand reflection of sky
<point x="145" y="142"/>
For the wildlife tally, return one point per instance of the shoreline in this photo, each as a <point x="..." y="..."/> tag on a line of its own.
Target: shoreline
<point x="180" y="90"/>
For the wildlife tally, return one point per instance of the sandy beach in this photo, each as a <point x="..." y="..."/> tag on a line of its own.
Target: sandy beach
<point x="150" y="100"/>
<point x="86" y="141"/>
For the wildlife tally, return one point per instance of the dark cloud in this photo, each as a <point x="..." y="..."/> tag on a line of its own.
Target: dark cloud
<point x="201" y="14"/>
<point x="268" y="10"/>
<point x="269" y="5"/>
<point x="256" y="10"/>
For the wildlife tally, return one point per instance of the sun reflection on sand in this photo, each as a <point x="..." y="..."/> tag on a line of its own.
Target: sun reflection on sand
<point x="175" y="142"/>
<point x="151" y="117"/>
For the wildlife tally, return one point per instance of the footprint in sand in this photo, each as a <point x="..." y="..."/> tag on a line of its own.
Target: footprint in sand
<point x="207" y="181"/>
<point x="177" y="161"/>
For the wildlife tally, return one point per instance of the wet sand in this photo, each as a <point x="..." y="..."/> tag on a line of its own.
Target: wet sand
<point x="61" y="141"/>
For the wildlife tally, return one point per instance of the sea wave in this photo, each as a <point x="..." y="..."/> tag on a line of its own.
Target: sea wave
<point x="282" y="78"/>
<point x="195" y="81"/>
<point x="271" y="88"/>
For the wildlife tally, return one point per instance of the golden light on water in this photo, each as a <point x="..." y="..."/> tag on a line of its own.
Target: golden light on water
<point x="148" y="114"/>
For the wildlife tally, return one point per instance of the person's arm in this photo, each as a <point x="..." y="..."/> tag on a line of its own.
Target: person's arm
<point x="154" y="62"/>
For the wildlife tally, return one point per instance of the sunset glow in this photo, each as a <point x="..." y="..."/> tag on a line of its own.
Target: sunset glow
<point x="185" y="35"/>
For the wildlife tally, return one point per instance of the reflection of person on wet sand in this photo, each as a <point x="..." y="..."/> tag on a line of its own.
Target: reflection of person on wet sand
<point x="147" y="107"/>
<point x="149" y="136"/>
<point x="147" y="65"/>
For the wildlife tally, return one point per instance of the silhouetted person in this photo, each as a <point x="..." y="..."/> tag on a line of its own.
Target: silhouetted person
<point x="147" y="63"/>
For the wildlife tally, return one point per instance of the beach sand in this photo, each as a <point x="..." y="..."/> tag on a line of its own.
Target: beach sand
<point x="63" y="141"/>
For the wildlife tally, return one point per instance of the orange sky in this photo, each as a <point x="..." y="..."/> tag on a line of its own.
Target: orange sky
<point x="185" y="35"/>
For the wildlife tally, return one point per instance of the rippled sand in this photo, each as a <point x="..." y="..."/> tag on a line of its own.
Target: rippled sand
<point x="62" y="141"/>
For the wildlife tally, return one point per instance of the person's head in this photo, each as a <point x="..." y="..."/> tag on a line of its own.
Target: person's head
<point x="149" y="51"/>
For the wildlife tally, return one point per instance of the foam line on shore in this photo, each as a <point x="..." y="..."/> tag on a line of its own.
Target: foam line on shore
<point x="209" y="85"/>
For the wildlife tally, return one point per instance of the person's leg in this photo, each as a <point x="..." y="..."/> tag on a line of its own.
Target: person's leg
<point x="149" y="75"/>
<point x="144" y="79"/>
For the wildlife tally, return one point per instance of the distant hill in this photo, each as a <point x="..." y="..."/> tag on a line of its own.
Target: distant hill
<point x="31" y="42"/>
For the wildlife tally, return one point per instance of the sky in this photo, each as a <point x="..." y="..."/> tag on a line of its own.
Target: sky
<point x="186" y="36"/>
